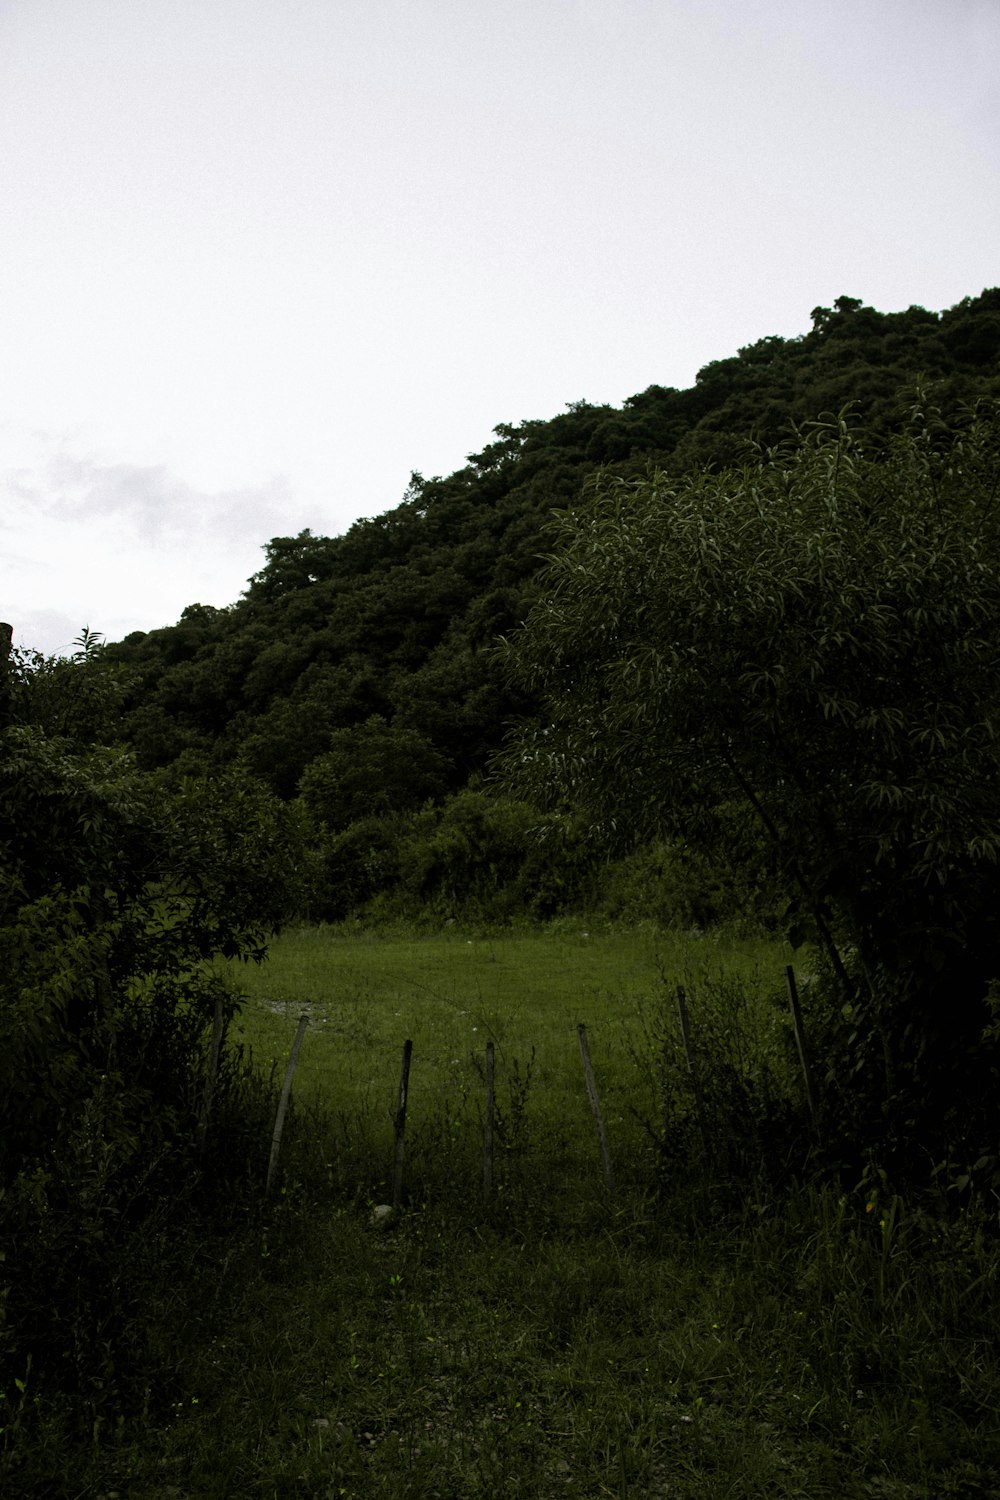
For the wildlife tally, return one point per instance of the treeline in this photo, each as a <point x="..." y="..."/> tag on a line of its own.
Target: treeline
<point x="358" y="673"/>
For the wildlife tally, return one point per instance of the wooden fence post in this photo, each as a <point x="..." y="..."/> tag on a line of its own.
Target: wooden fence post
<point x="6" y="646"/>
<point x="699" y="1099"/>
<point x="210" y="1076"/>
<point x="488" y="1127"/>
<point x="279" y="1123"/>
<point x="397" y="1169"/>
<point x="595" y="1107"/>
<point x="800" y="1042"/>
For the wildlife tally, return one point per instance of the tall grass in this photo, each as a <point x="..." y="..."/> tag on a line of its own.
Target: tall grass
<point x="712" y="1329"/>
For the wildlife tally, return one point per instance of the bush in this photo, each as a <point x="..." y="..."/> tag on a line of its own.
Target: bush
<point x="732" y="1118"/>
<point x="115" y="888"/>
<point x="678" y="886"/>
<point x="494" y="858"/>
<point x="811" y="637"/>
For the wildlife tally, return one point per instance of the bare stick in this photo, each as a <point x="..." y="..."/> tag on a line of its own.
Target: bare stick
<point x="488" y="1128"/>
<point x="595" y="1107"/>
<point x="279" y="1123"/>
<point x="6" y="642"/>
<point x="210" y="1077"/>
<point x="397" y="1170"/>
<point x="699" y="1101"/>
<point x="800" y="1041"/>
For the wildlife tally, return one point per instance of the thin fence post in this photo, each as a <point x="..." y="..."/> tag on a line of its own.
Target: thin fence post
<point x="397" y="1169"/>
<point x="699" y="1100"/>
<point x="800" y="1042"/>
<point x="279" y="1123"/>
<point x="6" y="646"/>
<point x="210" y="1077"/>
<point x="488" y="1127"/>
<point x="595" y="1107"/>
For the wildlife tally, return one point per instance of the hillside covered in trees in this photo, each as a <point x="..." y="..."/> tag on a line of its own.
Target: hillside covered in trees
<point x="359" y="671"/>
<point x="396" y="619"/>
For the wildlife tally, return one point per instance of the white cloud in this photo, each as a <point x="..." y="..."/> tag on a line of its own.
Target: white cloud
<point x="121" y="546"/>
<point x="150" y="505"/>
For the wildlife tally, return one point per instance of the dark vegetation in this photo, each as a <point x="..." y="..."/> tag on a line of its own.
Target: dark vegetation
<point x="396" y="620"/>
<point x="754" y="682"/>
<point x="115" y="888"/>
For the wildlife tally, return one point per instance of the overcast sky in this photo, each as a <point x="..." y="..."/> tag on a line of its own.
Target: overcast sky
<point x="260" y="259"/>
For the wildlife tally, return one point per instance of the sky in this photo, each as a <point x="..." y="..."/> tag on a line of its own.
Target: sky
<point x="262" y="259"/>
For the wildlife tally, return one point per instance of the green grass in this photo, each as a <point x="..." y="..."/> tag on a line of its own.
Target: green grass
<point x="451" y="993"/>
<point x="817" y="1342"/>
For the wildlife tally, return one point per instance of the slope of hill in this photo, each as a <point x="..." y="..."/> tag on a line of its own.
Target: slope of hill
<point x="359" y="669"/>
<point x="394" y="620"/>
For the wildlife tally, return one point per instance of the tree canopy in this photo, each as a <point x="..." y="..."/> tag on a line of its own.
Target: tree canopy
<point x="115" y="886"/>
<point x="811" y="638"/>
<point x="396" y="617"/>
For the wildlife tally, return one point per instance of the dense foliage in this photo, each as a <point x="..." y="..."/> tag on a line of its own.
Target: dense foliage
<point x="396" y="618"/>
<point x="809" y="640"/>
<point x="358" y="671"/>
<point x="115" y="887"/>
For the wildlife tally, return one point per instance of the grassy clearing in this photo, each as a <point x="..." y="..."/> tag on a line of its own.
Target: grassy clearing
<point x="819" y="1342"/>
<point x="452" y="993"/>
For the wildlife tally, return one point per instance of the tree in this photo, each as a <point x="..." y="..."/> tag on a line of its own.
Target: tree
<point x="813" y="637"/>
<point x="371" y="769"/>
<point x="115" y="887"/>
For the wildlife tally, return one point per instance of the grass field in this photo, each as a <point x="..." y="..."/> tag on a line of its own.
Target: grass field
<point x="451" y="994"/>
<point x="820" y="1341"/>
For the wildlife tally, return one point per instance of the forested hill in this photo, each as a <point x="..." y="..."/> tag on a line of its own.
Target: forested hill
<point x="373" y="648"/>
